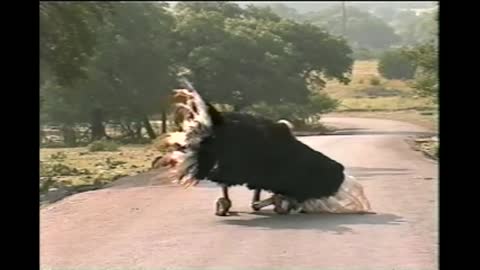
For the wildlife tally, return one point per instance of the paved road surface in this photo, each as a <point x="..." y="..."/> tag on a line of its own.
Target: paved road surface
<point x="141" y="223"/>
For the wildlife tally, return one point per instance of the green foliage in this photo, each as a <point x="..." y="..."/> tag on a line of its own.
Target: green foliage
<point x="239" y="60"/>
<point x="375" y="81"/>
<point x="112" y="163"/>
<point x="117" y="62"/>
<point x="363" y="29"/>
<point x="299" y="114"/>
<point x="426" y="83"/>
<point x="415" y="30"/>
<point x="425" y="57"/>
<point x="131" y="72"/>
<point x="58" y="156"/>
<point x="103" y="145"/>
<point x="128" y="73"/>
<point x="58" y="169"/>
<point x="321" y="103"/>
<point x="396" y="65"/>
<point x="277" y="112"/>
<point x="67" y="36"/>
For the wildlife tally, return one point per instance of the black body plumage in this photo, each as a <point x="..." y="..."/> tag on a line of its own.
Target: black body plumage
<point x="242" y="149"/>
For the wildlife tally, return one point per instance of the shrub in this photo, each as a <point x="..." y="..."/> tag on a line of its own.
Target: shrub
<point x="300" y="115"/>
<point x="58" y="156"/>
<point x="396" y="65"/>
<point x="57" y="169"/>
<point x="103" y="145"/>
<point x="374" y="81"/>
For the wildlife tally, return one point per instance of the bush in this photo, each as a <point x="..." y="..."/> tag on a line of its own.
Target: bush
<point x="57" y="169"/>
<point x="426" y="77"/>
<point x="58" y="156"/>
<point x="321" y="103"/>
<point x="396" y="65"/>
<point x="426" y="84"/>
<point x="299" y="114"/>
<point x="103" y="145"/>
<point x="374" y="81"/>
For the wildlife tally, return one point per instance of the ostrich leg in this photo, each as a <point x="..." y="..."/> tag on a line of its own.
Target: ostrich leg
<point x="256" y="199"/>
<point x="223" y="204"/>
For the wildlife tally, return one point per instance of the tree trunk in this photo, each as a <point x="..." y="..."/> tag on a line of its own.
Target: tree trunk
<point x="127" y="130"/>
<point x="148" y="127"/>
<point x="98" y="129"/>
<point x="69" y="137"/>
<point x="138" y="129"/>
<point x="164" y="121"/>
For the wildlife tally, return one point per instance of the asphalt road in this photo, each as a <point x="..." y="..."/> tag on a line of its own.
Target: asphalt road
<point x="140" y="222"/>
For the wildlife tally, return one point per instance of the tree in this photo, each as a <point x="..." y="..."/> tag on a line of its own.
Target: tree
<point x="371" y="33"/>
<point x="318" y="103"/>
<point x="255" y="56"/>
<point x="125" y="76"/>
<point x="131" y="72"/>
<point x="63" y="108"/>
<point x="227" y="9"/>
<point x="418" y="29"/>
<point x="426" y="59"/>
<point x="364" y="30"/>
<point x="67" y="41"/>
<point x="116" y="63"/>
<point x="396" y="65"/>
<point x="67" y="37"/>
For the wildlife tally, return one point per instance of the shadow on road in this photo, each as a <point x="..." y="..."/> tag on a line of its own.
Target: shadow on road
<point x="335" y="223"/>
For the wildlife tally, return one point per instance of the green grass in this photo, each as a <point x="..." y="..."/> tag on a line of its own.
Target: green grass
<point x="78" y="167"/>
